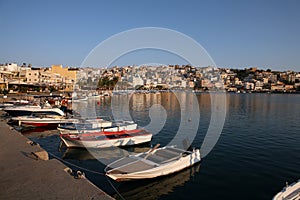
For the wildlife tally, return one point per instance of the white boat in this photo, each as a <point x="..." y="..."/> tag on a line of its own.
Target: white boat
<point x="90" y="126"/>
<point x="42" y="121"/>
<point x="94" y="96"/>
<point x="84" y="126"/>
<point x="5" y="105"/>
<point x="290" y="192"/>
<point x="121" y="126"/>
<point x="29" y="110"/>
<point x="153" y="163"/>
<point x="19" y="102"/>
<point x="106" y="139"/>
<point x="76" y="100"/>
<point x="105" y="94"/>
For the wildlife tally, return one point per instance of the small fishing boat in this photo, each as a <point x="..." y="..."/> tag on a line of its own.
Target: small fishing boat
<point x="19" y="102"/>
<point x="78" y="99"/>
<point x="5" y="105"/>
<point x="94" y="96"/>
<point x="90" y="126"/>
<point x="84" y="126"/>
<point x="290" y="192"/>
<point x="106" y="139"/>
<point x="42" y="121"/>
<point x="121" y="126"/>
<point x="153" y="163"/>
<point x="29" y="110"/>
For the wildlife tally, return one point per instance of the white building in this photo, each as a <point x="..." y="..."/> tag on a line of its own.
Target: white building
<point x="137" y="81"/>
<point x="249" y="86"/>
<point x="183" y="83"/>
<point x="12" y="67"/>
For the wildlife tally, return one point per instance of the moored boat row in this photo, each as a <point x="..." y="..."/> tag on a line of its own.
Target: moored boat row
<point x="102" y="133"/>
<point x="76" y="132"/>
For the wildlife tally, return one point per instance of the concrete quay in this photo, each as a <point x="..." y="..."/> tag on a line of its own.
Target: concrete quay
<point x="25" y="176"/>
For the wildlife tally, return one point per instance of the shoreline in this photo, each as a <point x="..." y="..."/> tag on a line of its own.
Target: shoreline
<point x="31" y="96"/>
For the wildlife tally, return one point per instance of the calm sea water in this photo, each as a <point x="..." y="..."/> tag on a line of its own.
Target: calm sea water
<point x="257" y="152"/>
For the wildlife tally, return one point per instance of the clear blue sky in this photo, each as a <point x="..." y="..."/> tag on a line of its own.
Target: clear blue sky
<point x="236" y="33"/>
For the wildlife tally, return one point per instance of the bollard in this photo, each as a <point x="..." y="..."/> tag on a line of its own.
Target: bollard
<point x="42" y="155"/>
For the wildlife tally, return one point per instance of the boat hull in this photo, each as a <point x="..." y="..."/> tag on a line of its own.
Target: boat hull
<point x="31" y="110"/>
<point x="36" y="124"/>
<point x="107" y="128"/>
<point x="291" y="192"/>
<point x="160" y="170"/>
<point x="5" y="105"/>
<point x="41" y="122"/>
<point x="106" y="141"/>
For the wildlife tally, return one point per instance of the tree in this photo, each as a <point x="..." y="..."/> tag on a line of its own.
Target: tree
<point x="107" y="83"/>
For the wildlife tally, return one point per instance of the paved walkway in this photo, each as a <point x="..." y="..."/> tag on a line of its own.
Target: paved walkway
<point x="23" y="177"/>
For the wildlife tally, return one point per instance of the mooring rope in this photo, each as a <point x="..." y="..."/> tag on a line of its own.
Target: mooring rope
<point x="88" y="170"/>
<point x="115" y="189"/>
<point x="74" y="165"/>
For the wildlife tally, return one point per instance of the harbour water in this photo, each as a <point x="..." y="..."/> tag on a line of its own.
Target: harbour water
<point x="257" y="152"/>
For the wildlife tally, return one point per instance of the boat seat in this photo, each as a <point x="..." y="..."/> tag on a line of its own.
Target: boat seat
<point x="132" y="167"/>
<point x="122" y="162"/>
<point x="156" y="159"/>
<point x="166" y="153"/>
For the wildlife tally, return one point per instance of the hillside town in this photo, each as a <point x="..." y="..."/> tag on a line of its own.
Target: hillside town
<point x="25" y="78"/>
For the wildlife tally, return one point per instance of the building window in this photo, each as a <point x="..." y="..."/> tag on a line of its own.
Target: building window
<point x="34" y="79"/>
<point x="29" y="79"/>
<point x="29" y="74"/>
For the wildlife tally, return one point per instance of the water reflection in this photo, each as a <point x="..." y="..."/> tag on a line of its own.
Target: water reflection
<point x="155" y="188"/>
